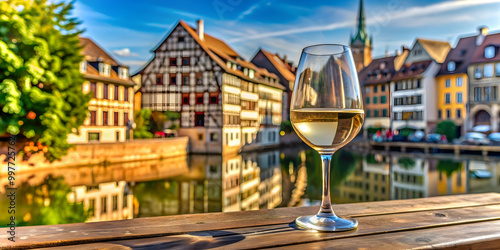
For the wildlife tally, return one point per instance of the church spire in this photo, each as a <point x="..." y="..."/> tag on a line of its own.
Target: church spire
<point x="361" y="35"/>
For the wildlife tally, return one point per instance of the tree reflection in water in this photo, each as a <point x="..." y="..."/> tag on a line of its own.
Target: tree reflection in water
<point x="44" y="204"/>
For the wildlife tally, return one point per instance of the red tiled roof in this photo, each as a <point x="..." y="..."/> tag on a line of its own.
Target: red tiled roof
<point x="366" y="75"/>
<point x="462" y="55"/>
<point x="411" y="70"/>
<point x="94" y="52"/>
<point x="220" y="52"/>
<point x="492" y="39"/>
<point x="279" y="65"/>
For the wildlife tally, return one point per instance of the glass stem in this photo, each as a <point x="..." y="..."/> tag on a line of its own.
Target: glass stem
<point x="326" y="203"/>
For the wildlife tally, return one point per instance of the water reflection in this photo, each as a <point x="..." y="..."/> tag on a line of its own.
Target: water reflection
<point x="223" y="183"/>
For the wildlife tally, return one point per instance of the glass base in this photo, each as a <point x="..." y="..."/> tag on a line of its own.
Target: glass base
<point x="327" y="223"/>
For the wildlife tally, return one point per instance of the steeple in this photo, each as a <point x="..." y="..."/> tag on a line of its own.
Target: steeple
<point x="361" y="36"/>
<point x="361" y="43"/>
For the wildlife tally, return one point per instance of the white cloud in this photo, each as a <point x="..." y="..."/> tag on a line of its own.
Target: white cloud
<point x="390" y="14"/>
<point x="248" y="11"/>
<point x="125" y="52"/>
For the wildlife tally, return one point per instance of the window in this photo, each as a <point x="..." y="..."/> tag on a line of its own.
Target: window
<point x="199" y="98"/>
<point x="117" y="135"/>
<point x="173" y="61"/>
<point x="383" y="99"/>
<point x="367" y="89"/>
<point x="83" y="67"/>
<point x="104" y="118"/>
<point x="200" y="137"/>
<point x="199" y="78"/>
<point x="104" y="204"/>
<point x="93" y="117"/>
<point x="368" y="100"/>
<point x="497" y="69"/>
<point x="125" y="95"/>
<point x="447" y="98"/>
<point x="447" y="82"/>
<point x="459" y="97"/>
<point x="477" y="94"/>
<point x="104" y="69"/>
<point x="214" y="98"/>
<point x="93" y="89"/>
<point x="451" y="66"/>
<point x="180" y="39"/>
<point x="375" y="100"/>
<point x="105" y="88"/>
<point x="227" y="138"/>
<point x="488" y="70"/>
<point x="214" y="137"/>
<point x="185" y="98"/>
<point x="93" y="136"/>
<point x="199" y="119"/>
<point x="375" y="113"/>
<point x="185" y="61"/>
<point x="91" y="207"/>
<point x="459" y="81"/>
<point x="477" y="73"/>
<point x="116" y="93"/>
<point x="115" y="202"/>
<point x="251" y="74"/>
<point x="185" y="79"/>
<point x="115" y="118"/>
<point x="448" y="113"/>
<point x="382" y="88"/>
<point x="489" y="52"/>
<point x="125" y="119"/>
<point x="122" y="73"/>
<point x="368" y="113"/>
<point x="173" y="79"/>
<point x="375" y="89"/>
<point x="159" y="79"/>
<point x="487" y="93"/>
<point x="440" y="113"/>
<point x="459" y="113"/>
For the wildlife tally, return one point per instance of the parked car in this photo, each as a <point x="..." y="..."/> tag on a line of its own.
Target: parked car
<point x="433" y="138"/>
<point x="418" y="136"/>
<point x="494" y="138"/>
<point x="474" y="138"/>
<point x="480" y="174"/>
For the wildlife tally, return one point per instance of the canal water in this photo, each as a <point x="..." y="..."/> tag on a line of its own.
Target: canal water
<point x="212" y="183"/>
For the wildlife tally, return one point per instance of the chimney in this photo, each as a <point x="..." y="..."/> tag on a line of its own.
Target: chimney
<point x="397" y="52"/>
<point x="386" y="53"/>
<point x="285" y="58"/>
<point x="200" y="29"/>
<point x="483" y="31"/>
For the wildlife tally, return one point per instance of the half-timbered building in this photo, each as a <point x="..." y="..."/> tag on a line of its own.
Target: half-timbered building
<point x="213" y="88"/>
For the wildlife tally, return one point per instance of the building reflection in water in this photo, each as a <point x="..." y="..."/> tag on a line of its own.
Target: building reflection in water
<point x="289" y="176"/>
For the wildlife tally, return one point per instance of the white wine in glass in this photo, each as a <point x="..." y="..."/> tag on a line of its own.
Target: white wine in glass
<point x="326" y="113"/>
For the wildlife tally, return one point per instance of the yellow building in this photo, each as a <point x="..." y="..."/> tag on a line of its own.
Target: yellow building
<point x="111" y="107"/>
<point x="452" y="84"/>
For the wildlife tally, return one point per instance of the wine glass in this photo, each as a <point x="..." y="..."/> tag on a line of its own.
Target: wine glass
<point x="327" y="113"/>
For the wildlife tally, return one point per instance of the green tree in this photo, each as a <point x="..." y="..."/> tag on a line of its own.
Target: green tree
<point x="141" y="118"/>
<point x="447" y="128"/>
<point x="45" y="204"/>
<point x="40" y="81"/>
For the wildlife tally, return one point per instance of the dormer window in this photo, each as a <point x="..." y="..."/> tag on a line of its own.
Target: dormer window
<point x="123" y="73"/>
<point x="382" y="66"/>
<point x="489" y="52"/>
<point x="235" y="66"/>
<point x="228" y="64"/>
<point x="251" y="74"/>
<point x="83" y="67"/>
<point x="104" y="69"/>
<point x="245" y="71"/>
<point x="451" y="66"/>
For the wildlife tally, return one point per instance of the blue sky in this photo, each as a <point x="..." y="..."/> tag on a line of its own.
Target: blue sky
<point x="129" y="29"/>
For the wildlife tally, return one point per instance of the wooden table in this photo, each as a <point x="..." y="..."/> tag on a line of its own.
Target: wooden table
<point x="458" y="222"/>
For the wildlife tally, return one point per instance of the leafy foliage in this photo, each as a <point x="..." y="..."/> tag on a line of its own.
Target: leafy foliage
<point x="158" y="120"/>
<point x="40" y="81"/>
<point x="141" y="118"/>
<point x="449" y="166"/>
<point x="447" y="128"/>
<point x="45" y="204"/>
<point x="286" y="126"/>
